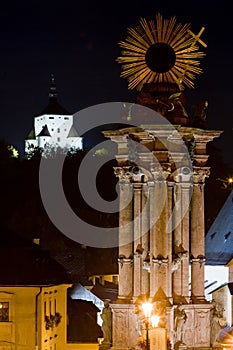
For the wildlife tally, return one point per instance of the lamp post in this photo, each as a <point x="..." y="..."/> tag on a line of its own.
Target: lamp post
<point x="147" y="308"/>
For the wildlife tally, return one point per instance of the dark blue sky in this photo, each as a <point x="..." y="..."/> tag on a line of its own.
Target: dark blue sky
<point x="78" y="42"/>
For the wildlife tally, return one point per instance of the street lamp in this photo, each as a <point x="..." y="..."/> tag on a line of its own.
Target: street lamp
<point x="227" y="183"/>
<point x="147" y="308"/>
<point x="154" y="321"/>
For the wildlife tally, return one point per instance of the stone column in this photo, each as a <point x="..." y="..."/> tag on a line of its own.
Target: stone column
<point x="198" y="235"/>
<point x="138" y="249"/>
<point x="125" y="258"/>
<point x="185" y="240"/>
<point x="153" y="279"/>
<point x="182" y="177"/>
<point x="177" y="242"/>
<point x="169" y="229"/>
<point x="145" y="240"/>
<point x="162" y="237"/>
<point x="159" y="247"/>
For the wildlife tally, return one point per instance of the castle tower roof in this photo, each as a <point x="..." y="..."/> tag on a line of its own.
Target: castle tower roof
<point x="53" y="106"/>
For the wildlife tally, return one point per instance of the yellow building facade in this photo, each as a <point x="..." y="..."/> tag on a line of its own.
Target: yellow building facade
<point x="33" y="317"/>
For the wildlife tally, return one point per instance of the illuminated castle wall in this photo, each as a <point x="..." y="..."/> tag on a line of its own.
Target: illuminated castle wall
<point x="53" y="127"/>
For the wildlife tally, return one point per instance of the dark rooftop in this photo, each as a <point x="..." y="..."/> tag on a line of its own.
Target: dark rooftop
<point x="219" y="238"/>
<point x="25" y="263"/>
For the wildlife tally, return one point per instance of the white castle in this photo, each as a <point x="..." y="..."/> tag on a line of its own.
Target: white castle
<point x="53" y="127"/>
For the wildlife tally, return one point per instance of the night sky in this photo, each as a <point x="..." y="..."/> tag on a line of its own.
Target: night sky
<point x="77" y="41"/>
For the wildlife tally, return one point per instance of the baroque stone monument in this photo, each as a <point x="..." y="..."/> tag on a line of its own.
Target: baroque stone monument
<point x="162" y="167"/>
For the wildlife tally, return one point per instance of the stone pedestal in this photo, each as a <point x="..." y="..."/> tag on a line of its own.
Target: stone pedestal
<point x="158" y="339"/>
<point x="197" y="326"/>
<point x="124" y="335"/>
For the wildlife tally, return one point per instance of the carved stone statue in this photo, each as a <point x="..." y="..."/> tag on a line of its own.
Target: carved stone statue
<point x="180" y="319"/>
<point x="106" y="316"/>
<point x="218" y="323"/>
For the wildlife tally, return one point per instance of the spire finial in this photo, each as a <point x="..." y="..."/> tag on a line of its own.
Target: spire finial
<point x="52" y="88"/>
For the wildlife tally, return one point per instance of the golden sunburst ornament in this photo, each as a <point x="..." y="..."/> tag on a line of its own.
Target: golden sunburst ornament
<point x="161" y="51"/>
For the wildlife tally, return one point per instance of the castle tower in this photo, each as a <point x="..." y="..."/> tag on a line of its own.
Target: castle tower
<point x="53" y="126"/>
<point x="162" y="167"/>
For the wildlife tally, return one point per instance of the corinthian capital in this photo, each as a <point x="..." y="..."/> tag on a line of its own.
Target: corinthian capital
<point x="199" y="174"/>
<point x="123" y="173"/>
<point x="160" y="172"/>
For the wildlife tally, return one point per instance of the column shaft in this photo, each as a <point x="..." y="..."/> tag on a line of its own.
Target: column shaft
<point x="177" y="241"/>
<point x="137" y="268"/>
<point x="197" y="242"/>
<point x="125" y="242"/>
<point x="145" y="238"/>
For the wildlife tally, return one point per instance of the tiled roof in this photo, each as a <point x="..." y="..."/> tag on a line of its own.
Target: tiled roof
<point x="25" y="263"/>
<point x="219" y="238"/>
<point x="53" y="107"/>
<point x="108" y="290"/>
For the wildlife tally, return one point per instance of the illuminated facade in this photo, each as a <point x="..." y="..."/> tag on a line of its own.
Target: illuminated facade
<point x="33" y="297"/>
<point x="37" y="317"/>
<point x="53" y="127"/>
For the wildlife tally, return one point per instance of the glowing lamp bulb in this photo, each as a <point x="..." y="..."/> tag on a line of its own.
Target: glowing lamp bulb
<point x="154" y="320"/>
<point x="147" y="308"/>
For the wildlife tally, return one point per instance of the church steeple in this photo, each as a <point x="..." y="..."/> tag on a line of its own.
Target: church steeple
<point x="52" y="88"/>
<point x="53" y="106"/>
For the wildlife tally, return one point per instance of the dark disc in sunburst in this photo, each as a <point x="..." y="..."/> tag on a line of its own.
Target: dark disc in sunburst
<point x="160" y="51"/>
<point x="160" y="57"/>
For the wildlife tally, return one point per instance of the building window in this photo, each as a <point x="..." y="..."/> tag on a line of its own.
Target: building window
<point x="115" y="279"/>
<point x="66" y="118"/>
<point x="51" y="117"/>
<point x="58" y="139"/>
<point x="58" y="129"/>
<point x="4" y="311"/>
<point x="45" y="313"/>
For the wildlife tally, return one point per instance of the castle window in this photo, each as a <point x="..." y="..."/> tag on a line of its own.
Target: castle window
<point x="4" y="311"/>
